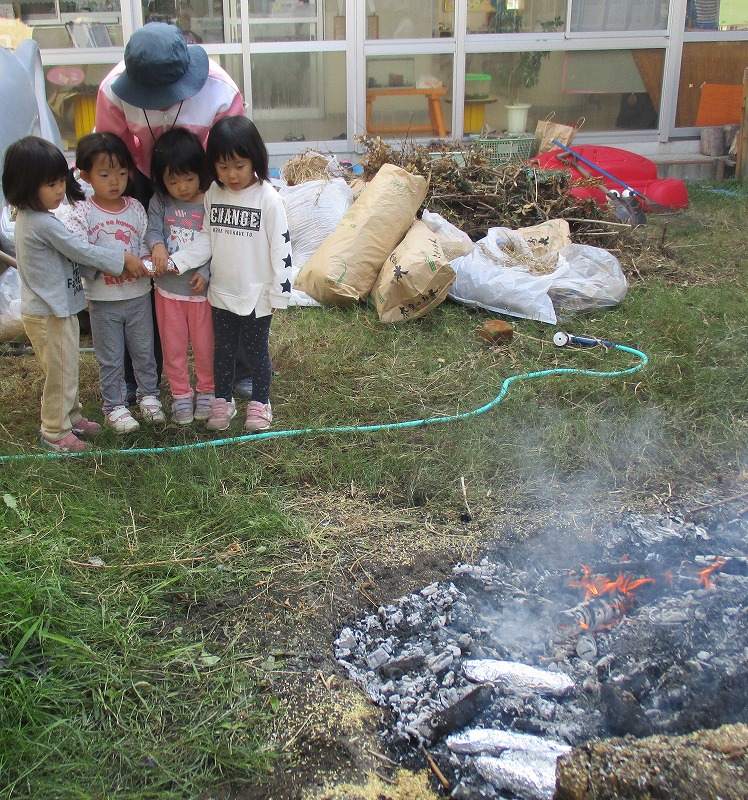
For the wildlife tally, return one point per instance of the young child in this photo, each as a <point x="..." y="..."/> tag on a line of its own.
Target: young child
<point x="250" y="271"/>
<point x="175" y="215"/>
<point x="34" y="181"/>
<point x="120" y="308"/>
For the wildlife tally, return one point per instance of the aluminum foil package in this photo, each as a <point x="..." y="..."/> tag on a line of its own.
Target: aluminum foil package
<point x="530" y="777"/>
<point x="518" y="678"/>
<point x="148" y="264"/>
<point x="491" y="741"/>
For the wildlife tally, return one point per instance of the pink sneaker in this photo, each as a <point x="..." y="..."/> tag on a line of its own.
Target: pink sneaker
<point x="85" y="427"/>
<point x="221" y="415"/>
<point x="68" y="444"/>
<point x="259" y="417"/>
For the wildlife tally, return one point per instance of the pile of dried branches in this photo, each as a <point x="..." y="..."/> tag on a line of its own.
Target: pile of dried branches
<point x="474" y="195"/>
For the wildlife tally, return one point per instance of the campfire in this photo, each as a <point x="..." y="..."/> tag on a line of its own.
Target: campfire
<point x="605" y="601"/>
<point x="502" y="670"/>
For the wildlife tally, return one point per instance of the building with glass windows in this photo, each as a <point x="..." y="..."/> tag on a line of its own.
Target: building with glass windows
<point x="639" y="73"/>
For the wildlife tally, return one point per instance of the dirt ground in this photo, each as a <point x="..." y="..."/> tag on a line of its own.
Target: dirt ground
<point x="329" y="733"/>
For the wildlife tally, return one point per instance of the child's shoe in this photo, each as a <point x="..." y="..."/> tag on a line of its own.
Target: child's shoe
<point x="85" y="427"/>
<point x="68" y="444"/>
<point x="221" y="415"/>
<point x="259" y="417"/>
<point x="181" y="411"/>
<point x="120" y="420"/>
<point x="203" y="406"/>
<point x="150" y="408"/>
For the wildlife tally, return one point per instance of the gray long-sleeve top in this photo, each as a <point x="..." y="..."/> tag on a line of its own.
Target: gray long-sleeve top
<point x="174" y="225"/>
<point x="50" y="260"/>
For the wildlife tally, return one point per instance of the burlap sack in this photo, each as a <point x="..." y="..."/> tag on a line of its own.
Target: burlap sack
<point x="343" y="269"/>
<point x="415" y="278"/>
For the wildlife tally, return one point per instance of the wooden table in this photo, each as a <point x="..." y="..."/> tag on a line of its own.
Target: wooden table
<point x="434" y="98"/>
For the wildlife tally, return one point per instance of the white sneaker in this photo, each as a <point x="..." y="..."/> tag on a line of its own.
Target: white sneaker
<point x="150" y="408"/>
<point x="120" y="420"/>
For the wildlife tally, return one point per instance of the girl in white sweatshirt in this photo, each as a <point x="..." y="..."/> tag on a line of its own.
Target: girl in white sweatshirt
<point x="246" y="233"/>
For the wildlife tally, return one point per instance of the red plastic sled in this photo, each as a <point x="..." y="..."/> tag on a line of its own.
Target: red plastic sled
<point x="631" y="169"/>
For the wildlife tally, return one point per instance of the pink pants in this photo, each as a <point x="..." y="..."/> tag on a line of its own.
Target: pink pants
<point x="181" y="322"/>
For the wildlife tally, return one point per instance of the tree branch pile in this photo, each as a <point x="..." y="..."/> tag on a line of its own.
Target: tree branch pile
<point x="474" y="195"/>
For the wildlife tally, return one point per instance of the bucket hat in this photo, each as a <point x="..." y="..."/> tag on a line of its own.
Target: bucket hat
<point x="160" y="69"/>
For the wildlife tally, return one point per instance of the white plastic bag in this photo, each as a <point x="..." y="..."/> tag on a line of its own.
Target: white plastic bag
<point x="7" y="232"/>
<point x="501" y="274"/>
<point x="314" y="209"/>
<point x="453" y="241"/>
<point x="10" y="305"/>
<point x="594" y="280"/>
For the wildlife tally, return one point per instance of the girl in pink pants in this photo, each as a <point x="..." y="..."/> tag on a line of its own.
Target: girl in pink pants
<point x="175" y="214"/>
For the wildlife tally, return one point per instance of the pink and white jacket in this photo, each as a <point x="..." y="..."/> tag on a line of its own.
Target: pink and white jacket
<point x="220" y="97"/>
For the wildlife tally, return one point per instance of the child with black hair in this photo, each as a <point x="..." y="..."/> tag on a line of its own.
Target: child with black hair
<point x="120" y="308"/>
<point x="50" y="261"/>
<point x="246" y="231"/>
<point x="175" y="216"/>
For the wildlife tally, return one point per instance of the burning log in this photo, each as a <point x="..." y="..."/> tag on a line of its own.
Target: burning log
<point x="517" y="678"/>
<point x="731" y="565"/>
<point x="700" y="766"/>
<point x="593" y="615"/>
<point x="691" y="574"/>
<point x="598" y="610"/>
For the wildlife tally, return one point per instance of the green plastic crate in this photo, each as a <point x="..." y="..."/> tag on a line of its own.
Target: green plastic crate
<point x="511" y="150"/>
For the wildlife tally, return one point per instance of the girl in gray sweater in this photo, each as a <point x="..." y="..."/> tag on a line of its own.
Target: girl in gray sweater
<point x="51" y="260"/>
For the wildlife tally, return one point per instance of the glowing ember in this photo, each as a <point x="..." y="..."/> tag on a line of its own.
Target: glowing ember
<point x="704" y="574"/>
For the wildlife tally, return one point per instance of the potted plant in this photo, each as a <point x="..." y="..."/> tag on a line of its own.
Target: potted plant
<point x="525" y="73"/>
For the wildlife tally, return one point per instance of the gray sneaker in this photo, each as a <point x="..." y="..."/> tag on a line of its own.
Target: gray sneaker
<point x="181" y="411"/>
<point x="243" y="389"/>
<point x="203" y="406"/>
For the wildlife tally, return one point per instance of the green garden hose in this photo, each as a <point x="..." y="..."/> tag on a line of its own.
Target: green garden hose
<point x="339" y="429"/>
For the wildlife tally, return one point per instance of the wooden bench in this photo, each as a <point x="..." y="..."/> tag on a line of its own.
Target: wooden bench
<point x="434" y="98"/>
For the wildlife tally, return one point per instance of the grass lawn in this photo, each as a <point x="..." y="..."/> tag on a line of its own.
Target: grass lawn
<point x="165" y="616"/>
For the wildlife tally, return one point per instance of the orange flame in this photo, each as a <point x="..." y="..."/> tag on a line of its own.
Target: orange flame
<point x="704" y="574"/>
<point x="596" y="585"/>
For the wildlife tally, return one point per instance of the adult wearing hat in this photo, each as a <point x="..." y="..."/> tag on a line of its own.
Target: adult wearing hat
<point x="161" y="83"/>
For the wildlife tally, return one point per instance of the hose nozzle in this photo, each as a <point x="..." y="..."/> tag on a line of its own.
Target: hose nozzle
<point x="561" y="339"/>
